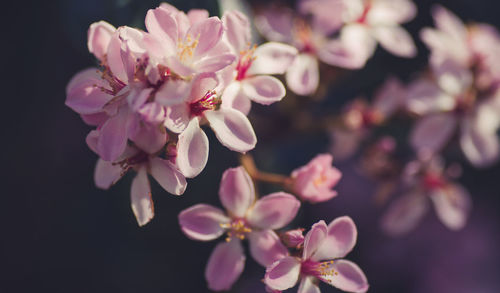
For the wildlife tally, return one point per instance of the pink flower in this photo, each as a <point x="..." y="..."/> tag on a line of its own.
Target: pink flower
<point x="186" y="43"/>
<point x="427" y="183"/>
<point x="450" y="103"/>
<point x="248" y="78"/>
<point x="163" y="171"/>
<point x="324" y="248"/>
<point x="368" y="22"/>
<point x="293" y="238"/>
<point x="314" y="181"/>
<point x="246" y="218"/>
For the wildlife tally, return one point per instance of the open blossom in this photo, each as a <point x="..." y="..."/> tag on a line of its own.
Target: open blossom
<point x="367" y="22"/>
<point x="163" y="171"/>
<point x="449" y="103"/>
<point x="245" y="218"/>
<point x="248" y="78"/>
<point x="426" y="181"/>
<point x="314" y="181"/>
<point x="324" y="248"/>
<point x="310" y="39"/>
<point x="359" y="117"/>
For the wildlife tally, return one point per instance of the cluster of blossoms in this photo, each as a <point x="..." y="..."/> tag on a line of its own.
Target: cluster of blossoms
<point x="341" y="33"/>
<point x="153" y="90"/>
<point x="247" y="218"/>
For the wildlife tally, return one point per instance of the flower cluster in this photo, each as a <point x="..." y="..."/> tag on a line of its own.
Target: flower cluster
<point x="153" y="90"/>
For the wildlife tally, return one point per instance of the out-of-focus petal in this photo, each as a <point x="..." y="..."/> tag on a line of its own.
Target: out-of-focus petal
<point x="237" y="30"/>
<point x="98" y="37"/>
<point x="432" y="132"/>
<point x="452" y="77"/>
<point x="283" y="274"/>
<point x="232" y="129"/>
<point x="426" y="97"/>
<point x="349" y="277"/>
<point x="276" y="24"/>
<point x="314" y="239"/>
<point x="192" y="150"/>
<point x="167" y="176"/>
<point x="149" y="138"/>
<point x="106" y="174"/>
<point x="263" y="89"/>
<point x="196" y="15"/>
<point x="479" y="141"/>
<point x="404" y="213"/>
<point x="234" y="97"/>
<point x="140" y="196"/>
<point x="273" y="211"/>
<point x="236" y="191"/>
<point x="452" y="204"/>
<point x="303" y="75"/>
<point x="339" y="241"/>
<point x="390" y="97"/>
<point x="202" y="222"/>
<point x="272" y="58"/>
<point x="449" y="23"/>
<point x="266" y="247"/>
<point x="391" y="12"/>
<point x="225" y="265"/>
<point x="396" y="40"/>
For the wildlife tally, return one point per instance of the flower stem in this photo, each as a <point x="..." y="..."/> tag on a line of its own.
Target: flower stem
<point x="248" y="163"/>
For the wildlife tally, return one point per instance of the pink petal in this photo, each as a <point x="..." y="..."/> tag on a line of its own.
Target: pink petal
<point x="113" y="136"/>
<point x="162" y="25"/>
<point x="391" y="12"/>
<point x="396" y="40"/>
<point x="232" y="129"/>
<point x="479" y="140"/>
<point x="167" y="176"/>
<point x="314" y="239"/>
<point x="263" y="89"/>
<point x="202" y="222"/>
<point x="215" y="63"/>
<point x="192" y="150"/>
<point x="276" y="24"/>
<point x="452" y="77"/>
<point x="202" y="84"/>
<point x="173" y="92"/>
<point x="98" y="37"/>
<point x="390" y="98"/>
<point x="432" y="132"/>
<point x="140" y="197"/>
<point x="95" y="119"/>
<point x="236" y="191"/>
<point x="339" y="241"/>
<point x="149" y="138"/>
<point x="338" y="54"/>
<point x="152" y="113"/>
<point x="225" y="265"/>
<point x="208" y="32"/>
<point x="177" y="117"/>
<point x="283" y="274"/>
<point x="266" y="247"/>
<point x="449" y="23"/>
<point x="114" y="58"/>
<point x="234" y="97"/>
<point x="273" y="211"/>
<point x="272" y="58"/>
<point x="303" y="76"/>
<point x="106" y="174"/>
<point x="197" y="15"/>
<point x="350" y="277"/>
<point x="426" y="97"/>
<point x="237" y="30"/>
<point x="405" y="213"/>
<point x="307" y="286"/>
<point x="453" y="205"/>
<point x="178" y="67"/>
<point x="84" y="94"/>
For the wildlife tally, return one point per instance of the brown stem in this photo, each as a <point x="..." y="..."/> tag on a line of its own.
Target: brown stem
<point x="248" y="163"/>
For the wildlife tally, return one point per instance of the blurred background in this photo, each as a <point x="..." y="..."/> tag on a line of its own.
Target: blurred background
<point x="61" y="234"/>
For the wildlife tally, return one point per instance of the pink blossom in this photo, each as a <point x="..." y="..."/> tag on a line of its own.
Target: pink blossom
<point x="245" y="218"/>
<point x="314" y="181"/>
<point x="324" y="248"/>
<point x="367" y="22"/>
<point x="293" y="238"/>
<point x="163" y="171"/>
<point x="448" y="103"/>
<point x="427" y="182"/>
<point x="248" y="78"/>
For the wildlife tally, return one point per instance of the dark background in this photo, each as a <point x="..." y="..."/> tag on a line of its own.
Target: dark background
<point x="61" y="234"/>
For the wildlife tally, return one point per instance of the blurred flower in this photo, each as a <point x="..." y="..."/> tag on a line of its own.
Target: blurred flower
<point x="293" y="238"/>
<point x="245" y="218"/>
<point x="322" y="242"/>
<point x="427" y="180"/>
<point x="314" y="181"/>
